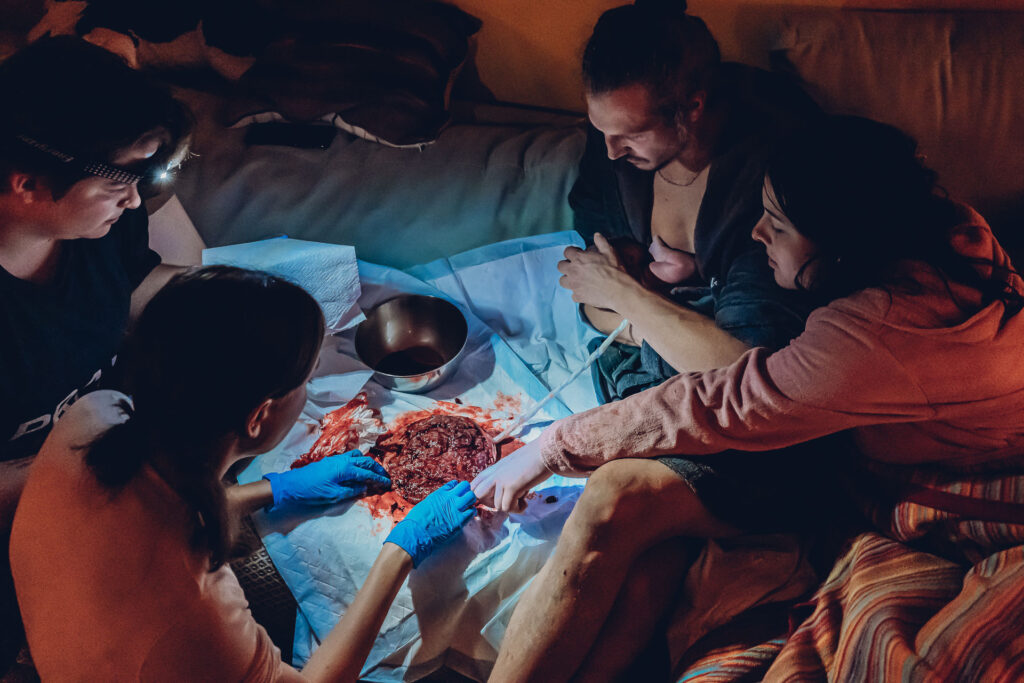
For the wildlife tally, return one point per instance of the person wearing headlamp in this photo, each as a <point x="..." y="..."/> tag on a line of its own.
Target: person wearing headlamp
<point x="82" y="137"/>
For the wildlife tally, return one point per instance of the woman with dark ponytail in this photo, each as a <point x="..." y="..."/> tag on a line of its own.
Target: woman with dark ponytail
<point x="122" y="534"/>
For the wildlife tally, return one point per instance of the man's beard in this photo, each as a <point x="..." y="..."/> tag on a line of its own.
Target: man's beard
<point x="653" y="166"/>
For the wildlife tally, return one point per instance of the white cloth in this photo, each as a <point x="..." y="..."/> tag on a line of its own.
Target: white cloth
<point x="513" y="288"/>
<point x="454" y="608"/>
<point x="327" y="271"/>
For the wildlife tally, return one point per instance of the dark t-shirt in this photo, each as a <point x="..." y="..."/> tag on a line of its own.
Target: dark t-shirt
<point x="58" y="340"/>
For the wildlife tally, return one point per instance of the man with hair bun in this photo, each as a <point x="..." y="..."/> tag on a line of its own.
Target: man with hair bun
<point x="674" y="165"/>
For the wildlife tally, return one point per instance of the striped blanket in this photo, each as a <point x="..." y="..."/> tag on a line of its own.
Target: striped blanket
<point x="936" y="597"/>
<point x="741" y="652"/>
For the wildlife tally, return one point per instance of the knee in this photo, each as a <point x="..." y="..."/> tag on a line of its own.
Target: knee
<point x="613" y="506"/>
<point x="640" y="588"/>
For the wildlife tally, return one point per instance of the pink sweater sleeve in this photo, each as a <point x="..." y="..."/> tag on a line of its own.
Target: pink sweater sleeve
<point x="836" y="375"/>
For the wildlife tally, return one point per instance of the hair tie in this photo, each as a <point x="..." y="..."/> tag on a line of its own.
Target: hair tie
<point x="662" y="5"/>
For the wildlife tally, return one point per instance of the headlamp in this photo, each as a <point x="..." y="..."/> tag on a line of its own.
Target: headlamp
<point x="148" y="177"/>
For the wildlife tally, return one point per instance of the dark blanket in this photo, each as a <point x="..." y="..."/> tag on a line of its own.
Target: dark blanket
<point x="384" y="68"/>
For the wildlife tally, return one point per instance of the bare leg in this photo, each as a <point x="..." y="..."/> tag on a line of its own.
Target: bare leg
<point x="646" y="597"/>
<point x="627" y="507"/>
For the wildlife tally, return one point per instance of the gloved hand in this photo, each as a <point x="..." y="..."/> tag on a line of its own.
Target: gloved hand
<point x="326" y="481"/>
<point x="504" y="484"/>
<point x="434" y="520"/>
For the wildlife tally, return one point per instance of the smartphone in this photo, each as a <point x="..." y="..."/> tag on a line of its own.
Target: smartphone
<point x="302" y="135"/>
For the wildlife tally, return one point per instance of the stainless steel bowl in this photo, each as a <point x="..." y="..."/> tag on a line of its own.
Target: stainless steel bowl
<point x="412" y="342"/>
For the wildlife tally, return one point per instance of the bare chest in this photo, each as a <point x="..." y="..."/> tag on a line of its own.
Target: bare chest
<point x="675" y="209"/>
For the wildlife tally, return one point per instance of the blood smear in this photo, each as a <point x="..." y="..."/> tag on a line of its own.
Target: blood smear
<point x="387" y="505"/>
<point x="342" y="430"/>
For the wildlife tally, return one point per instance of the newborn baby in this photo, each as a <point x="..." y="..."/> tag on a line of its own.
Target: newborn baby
<point x="659" y="268"/>
<point x="672" y="266"/>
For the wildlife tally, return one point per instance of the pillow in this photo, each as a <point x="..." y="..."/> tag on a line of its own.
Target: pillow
<point x="380" y="69"/>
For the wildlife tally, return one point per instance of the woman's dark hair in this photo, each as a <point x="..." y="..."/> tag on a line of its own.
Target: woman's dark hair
<point x="655" y="44"/>
<point x="83" y="101"/>
<point x="210" y="347"/>
<point x="861" y="193"/>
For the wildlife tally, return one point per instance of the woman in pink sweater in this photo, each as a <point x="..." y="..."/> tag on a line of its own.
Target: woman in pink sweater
<point x="916" y="348"/>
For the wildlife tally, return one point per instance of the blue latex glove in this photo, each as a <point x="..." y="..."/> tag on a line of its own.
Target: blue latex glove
<point x="434" y="520"/>
<point x="326" y="481"/>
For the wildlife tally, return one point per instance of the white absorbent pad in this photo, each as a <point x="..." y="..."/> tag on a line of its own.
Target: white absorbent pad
<point x="327" y="271"/>
<point x="454" y="607"/>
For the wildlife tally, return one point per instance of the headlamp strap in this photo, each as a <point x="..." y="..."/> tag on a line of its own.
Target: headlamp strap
<point x="94" y="168"/>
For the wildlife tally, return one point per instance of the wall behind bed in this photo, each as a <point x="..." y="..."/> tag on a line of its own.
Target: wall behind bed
<point x="528" y="50"/>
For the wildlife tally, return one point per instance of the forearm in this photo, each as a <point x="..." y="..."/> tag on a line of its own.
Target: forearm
<point x="244" y="499"/>
<point x="151" y="285"/>
<point x="173" y="235"/>
<point x="344" y="651"/>
<point x="687" y="340"/>
<point x="13" y="475"/>
<point x="606" y="321"/>
<point x="670" y="418"/>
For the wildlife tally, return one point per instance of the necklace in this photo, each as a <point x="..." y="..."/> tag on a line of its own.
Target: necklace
<point x="688" y="183"/>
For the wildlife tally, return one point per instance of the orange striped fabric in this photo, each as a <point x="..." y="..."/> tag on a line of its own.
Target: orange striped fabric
<point x="732" y="664"/>
<point x="936" y="598"/>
